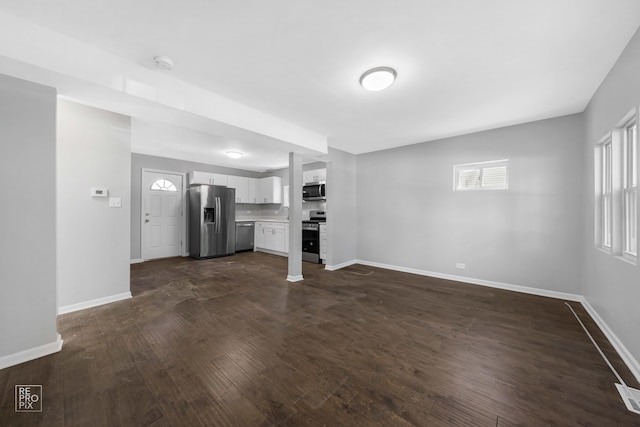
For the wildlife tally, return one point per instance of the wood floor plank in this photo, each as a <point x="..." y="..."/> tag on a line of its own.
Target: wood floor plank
<point x="229" y="342"/>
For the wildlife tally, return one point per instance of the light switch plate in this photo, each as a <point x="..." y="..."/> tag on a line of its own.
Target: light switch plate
<point x="115" y="202"/>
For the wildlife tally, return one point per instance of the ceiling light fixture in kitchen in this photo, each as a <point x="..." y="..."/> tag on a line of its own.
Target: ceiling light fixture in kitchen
<point x="378" y="78"/>
<point x="163" y="63"/>
<point x="234" y="154"/>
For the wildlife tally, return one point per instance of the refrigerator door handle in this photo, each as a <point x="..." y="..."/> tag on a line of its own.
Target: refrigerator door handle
<point x="218" y="225"/>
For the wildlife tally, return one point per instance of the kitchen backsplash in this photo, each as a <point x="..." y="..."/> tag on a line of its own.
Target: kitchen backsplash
<point x="250" y="211"/>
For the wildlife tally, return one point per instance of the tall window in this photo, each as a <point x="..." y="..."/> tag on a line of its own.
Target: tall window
<point x="606" y="194"/>
<point x="616" y="161"/>
<point x="630" y="188"/>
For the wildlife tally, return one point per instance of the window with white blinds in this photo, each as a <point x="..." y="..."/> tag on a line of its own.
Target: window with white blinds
<point x="491" y="175"/>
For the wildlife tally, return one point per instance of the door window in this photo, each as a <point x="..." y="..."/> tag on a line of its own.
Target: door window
<point x="163" y="185"/>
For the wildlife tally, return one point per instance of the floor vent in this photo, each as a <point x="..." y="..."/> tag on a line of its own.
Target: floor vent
<point x="630" y="396"/>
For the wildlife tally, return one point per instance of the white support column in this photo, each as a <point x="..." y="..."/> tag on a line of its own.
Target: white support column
<point x="295" y="218"/>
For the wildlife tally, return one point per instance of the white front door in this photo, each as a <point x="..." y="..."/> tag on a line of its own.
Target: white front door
<point x="161" y="215"/>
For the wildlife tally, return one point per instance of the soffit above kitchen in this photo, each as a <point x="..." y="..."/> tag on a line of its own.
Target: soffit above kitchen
<point x="462" y="65"/>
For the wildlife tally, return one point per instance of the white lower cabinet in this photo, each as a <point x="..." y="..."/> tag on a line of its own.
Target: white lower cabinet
<point x="272" y="236"/>
<point x="260" y="240"/>
<point x="286" y="238"/>
<point x="323" y="242"/>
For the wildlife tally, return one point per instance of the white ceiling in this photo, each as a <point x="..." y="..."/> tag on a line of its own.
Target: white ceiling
<point x="463" y="65"/>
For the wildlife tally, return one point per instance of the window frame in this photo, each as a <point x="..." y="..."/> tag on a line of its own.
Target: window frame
<point x="605" y="194"/>
<point x="629" y="135"/>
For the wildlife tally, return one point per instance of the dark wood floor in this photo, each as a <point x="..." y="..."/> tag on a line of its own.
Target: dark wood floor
<point x="228" y="342"/>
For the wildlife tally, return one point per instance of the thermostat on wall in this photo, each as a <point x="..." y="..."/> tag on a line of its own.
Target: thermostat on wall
<point x="99" y="192"/>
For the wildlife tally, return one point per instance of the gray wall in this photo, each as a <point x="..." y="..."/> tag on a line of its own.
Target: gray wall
<point x="610" y="285"/>
<point x="27" y="222"/>
<point x="341" y="208"/>
<point x="94" y="150"/>
<point x="529" y="235"/>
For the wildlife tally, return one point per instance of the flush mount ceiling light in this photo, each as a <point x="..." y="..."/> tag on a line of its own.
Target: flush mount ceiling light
<point x="234" y="154"/>
<point x="163" y="63"/>
<point x="378" y="78"/>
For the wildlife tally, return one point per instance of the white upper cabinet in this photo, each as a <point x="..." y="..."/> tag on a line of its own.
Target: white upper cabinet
<point x="270" y="190"/>
<point x="248" y="190"/>
<point x="285" y="196"/>
<point x="198" y="178"/>
<point x="232" y="182"/>
<point x="241" y="185"/>
<point x="253" y="190"/>
<point x="219" y="179"/>
<point x="206" y="178"/>
<point x="242" y="190"/>
<point x="317" y="175"/>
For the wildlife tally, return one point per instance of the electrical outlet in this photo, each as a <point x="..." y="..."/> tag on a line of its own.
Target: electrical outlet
<point x="115" y="202"/>
<point x="460" y="265"/>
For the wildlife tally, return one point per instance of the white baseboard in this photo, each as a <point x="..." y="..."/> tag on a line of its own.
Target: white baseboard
<point x="488" y="283"/>
<point x="136" y="261"/>
<point x="295" y="278"/>
<point x="341" y="265"/>
<point x="269" y="251"/>
<point x="93" y="303"/>
<point x="31" y="354"/>
<point x="622" y="350"/>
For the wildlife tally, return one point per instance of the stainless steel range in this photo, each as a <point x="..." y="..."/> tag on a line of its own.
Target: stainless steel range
<point x="311" y="236"/>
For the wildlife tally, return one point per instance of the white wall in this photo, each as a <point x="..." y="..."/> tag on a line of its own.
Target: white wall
<point x="94" y="150"/>
<point x="611" y="286"/>
<point x="529" y="235"/>
<point x="27" y="221"/>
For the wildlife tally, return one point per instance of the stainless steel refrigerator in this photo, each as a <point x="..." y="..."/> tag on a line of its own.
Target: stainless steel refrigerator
<point x="212" y="221"/>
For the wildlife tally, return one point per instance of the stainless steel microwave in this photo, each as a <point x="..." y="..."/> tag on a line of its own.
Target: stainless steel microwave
<point x="314" y="191"/>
